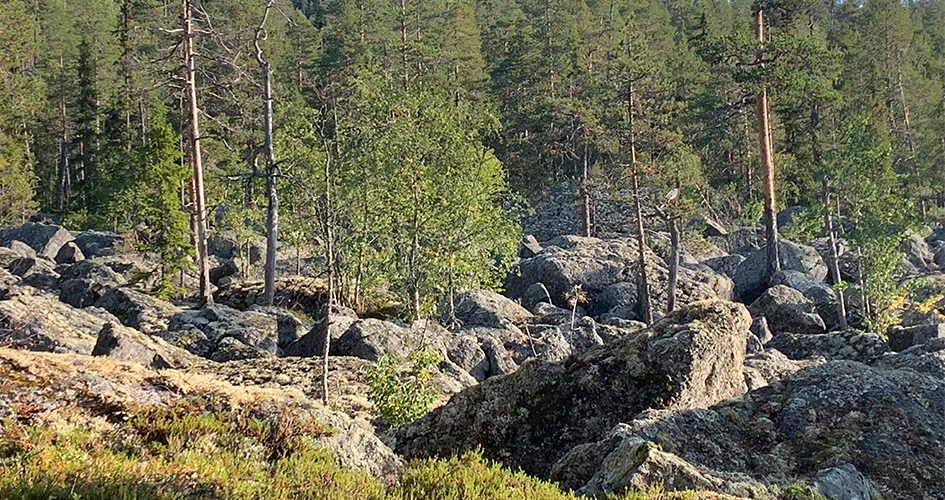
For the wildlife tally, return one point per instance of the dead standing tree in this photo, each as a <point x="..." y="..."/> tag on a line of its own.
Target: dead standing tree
<point x="198" y="200"/>
<point x="270" y="173"/>
<point x="766" y="149"/>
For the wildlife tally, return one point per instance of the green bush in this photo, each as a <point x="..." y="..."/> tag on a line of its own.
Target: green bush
<point x="402" y="396"/>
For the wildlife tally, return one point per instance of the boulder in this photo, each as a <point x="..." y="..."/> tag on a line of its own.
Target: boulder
<point x="312" y="344"/>
<point x="530" y="247"/>
<point x="24" y="266"/>
<point x="82" y="284"/>
<point x="532" y="417"/>
<point x="42" y="323"/>
<point x="706" y="227"/>
<point x="889" y="425"/>
<point x="137" y="310"/>
<point x="849" y="344"/>
<point x="918" y="253"/>
<point x="787" y="310"/>
<point x="902" y="338"/>
<point x="128" y="345"/>
<point x="228" y="269"/>
<point x="98" y="243"/>
<point x="232" y="349"/>
<point x="843" y="482"/>
<point x="192" y="340"/>
<point x="928" y="359"/>
<point x="70" y="253"/>
<point x="535" y="294"/>
<point x="825" y="299"/>
<point x="256" y="330"/>
<point x="45" y="239"/>
<point x="465" y="351"/>
<point x="759" y="328"/>
<point x="221" y="247"/>
<point x="750" y="276"/>
<point x="490" y="309"/>
<point x="21" y="249"/>
<point x="773" y="366"/>
<point x="725" y="264"/>
<point x="742" y="241"/>
<point x="370" y="338"/>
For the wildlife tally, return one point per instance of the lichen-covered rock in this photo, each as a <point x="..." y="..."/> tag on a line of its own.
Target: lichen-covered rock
<point x="70" y="253"/>
<point x="532" y="417"/>
<point x="595" y="265"/>
<point x="100" y="393"/>
<point x="44" y="239"/>
<point x="751" y="279"/>
<point x="370" y="338"/>
<point x="484" y="308"/>
<point x="128" y="345"/>
<point x="40" y="322"/>
<point x="293" y="292"/>
<point x="137" y="310"/>
<point x="787" y="310"/>
<point x="842" y="483"/>
<point x="97" y="243"/>
<point x="902" y="338"/>
<point x="888" y="424"/>
<point x="928" y="359"/>
<point x="850" y="344"/>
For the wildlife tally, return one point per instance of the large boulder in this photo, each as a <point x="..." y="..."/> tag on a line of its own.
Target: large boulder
<point x="128" y="345"/>
<point x="484" y="308"/>
<point x="787" y="310"/>
<point x="886" y="425"/>
<point x="70" y="253"/>
<point x="82" y="284"/>
<point x="848" y="344"/>
<point x="918" y="253"/>
<point x="45" y="239"/>
<point x="371" y="338"/>
<point x="313" y="342"/>
<point x="40" y="322"/>
<point x="98" y="243"/>
<point x="137" y="310"/>
<point x="595" y="265"/>
<point x="530" y="418"/>
<point x="750" y="276"/>
<point x="902" y="338"/>
<point x="825" y="298"/>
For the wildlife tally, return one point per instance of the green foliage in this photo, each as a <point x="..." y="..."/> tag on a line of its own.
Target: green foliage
<point x="400" y="395"/>
<point x="805" y="226"/>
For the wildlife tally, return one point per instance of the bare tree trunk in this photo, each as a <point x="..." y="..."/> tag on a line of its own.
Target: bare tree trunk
<point x="833" y="260"/>
<point x="643" y="287"/>
<point x="767" y="164"/>
<point x="328" y="228"/>
<point x="63" y="180"/>
<point x="673" y="223"/>
<point x="195" y="157"/>
<point x="272" y="208"/>
<point x="585" y="200"/>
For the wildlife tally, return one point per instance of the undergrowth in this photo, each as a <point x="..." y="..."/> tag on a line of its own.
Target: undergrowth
<point x="189" y="452"/>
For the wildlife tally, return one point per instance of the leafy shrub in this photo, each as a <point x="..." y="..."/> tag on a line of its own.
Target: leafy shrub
<point x="400" y="397"/>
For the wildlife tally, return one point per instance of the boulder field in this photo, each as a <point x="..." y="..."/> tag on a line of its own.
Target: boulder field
<point x="747" y="389"/>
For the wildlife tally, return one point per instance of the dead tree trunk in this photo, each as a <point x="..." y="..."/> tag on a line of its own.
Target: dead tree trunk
<point x="672" y="220"/>
<point x="643" y="288"/>
<point x="585" y="199"/>
<point x="328" y="230"/>
<point x="199" y="200"/>
<point x="272" y="208"/>
<point x="767" y="162"/>
<point x="833" y="260"/>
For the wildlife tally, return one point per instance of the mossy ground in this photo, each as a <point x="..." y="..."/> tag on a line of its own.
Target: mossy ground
<point x="191" y="452"/>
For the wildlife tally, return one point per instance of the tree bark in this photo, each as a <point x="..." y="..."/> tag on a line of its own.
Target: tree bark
<point x="767" y="163"/>
<point x="643" y="288"/>
<point x="272" y="208"/>
<point x="196" y="162"/>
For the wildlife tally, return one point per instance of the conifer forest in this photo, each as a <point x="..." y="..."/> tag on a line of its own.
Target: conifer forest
<point x="401" y="141"/>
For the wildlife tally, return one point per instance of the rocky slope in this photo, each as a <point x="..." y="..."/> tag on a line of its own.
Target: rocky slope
<point x="741" y="399"/>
